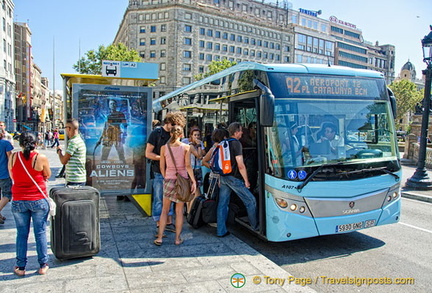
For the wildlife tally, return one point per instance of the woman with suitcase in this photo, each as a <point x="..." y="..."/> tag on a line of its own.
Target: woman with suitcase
<point x="29" y="172"/>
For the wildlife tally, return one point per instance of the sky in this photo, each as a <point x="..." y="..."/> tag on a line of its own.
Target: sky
<point x="64" y="30"/>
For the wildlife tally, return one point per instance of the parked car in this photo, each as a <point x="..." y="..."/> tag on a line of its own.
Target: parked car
<point x="401" y="135"/>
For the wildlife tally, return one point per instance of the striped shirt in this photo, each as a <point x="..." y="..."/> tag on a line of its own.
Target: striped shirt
<point x="75" y="168"/>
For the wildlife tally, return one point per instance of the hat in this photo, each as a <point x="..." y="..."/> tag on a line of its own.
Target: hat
<point x="293" y="124"/>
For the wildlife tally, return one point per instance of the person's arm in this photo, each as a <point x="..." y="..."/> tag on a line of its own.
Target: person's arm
<point x="162" y="161"/>
<point x="207" y="158"/>
<point x="189" y="168"/>
<point x="150" y="154"/>
<point x="10" y="164"/>
<point x="242" y="169"/>
<point x="46" y="170"/>
<point x="64" y="159"/>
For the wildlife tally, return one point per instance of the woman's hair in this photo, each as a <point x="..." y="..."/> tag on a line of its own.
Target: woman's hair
<point x="176" y="131"/>
<point x="27" y="141"/>
<point x="219" y="134"/>
<point x="176" y="118"/>
<point x="193" y="130"/>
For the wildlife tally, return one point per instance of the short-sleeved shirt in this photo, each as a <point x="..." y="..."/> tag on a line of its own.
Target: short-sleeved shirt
<point x="157" y="138"/>
<point x="195" y="162"/>
<point x="5" y="146"/>
<point x="75" y="167"/>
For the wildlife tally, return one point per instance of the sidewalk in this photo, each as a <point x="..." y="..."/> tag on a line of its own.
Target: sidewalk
<point x="408" y="170"/>
<point x="130" y="262"/>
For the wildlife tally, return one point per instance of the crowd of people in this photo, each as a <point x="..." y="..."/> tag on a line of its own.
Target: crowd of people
<point x="23" y="179"/>
<point x="186" y="157"/>
<point x="23" y="182"/>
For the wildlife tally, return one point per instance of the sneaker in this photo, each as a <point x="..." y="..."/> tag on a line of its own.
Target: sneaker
<point x="171" y="228"/>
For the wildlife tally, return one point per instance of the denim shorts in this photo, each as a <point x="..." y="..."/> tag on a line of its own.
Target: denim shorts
<point x="6" y="186"/>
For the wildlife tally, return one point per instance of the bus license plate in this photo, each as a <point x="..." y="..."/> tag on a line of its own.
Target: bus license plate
<point x="349" y="227"/>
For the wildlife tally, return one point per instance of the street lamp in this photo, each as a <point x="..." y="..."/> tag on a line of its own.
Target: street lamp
<point x="420" y="180"/>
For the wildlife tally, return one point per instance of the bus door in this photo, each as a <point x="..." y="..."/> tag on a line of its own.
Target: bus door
<point x="245" y="111"/>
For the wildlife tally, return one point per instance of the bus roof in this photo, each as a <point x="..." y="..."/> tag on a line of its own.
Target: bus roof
<point x="291" y="68"/>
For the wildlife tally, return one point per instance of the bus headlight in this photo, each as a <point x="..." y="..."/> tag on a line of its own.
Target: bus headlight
<point x="395" y="194"/>
<point x="293" y="207"/>
<point x="281" y="202"/>
<point x="302" y="209"/>
<point x="389" y="198"/>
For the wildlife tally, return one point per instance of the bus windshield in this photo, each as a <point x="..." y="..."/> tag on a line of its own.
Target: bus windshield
<point x="316" y="129"/>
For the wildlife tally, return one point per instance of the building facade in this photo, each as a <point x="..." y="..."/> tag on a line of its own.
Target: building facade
<point x="184" y="36"/>
<point x="7" y="74"/>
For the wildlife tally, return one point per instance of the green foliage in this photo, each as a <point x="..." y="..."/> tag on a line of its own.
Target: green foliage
<point x="92" y="62"/>
<point x="407" y="96"/>
<point x="215" y="67"/>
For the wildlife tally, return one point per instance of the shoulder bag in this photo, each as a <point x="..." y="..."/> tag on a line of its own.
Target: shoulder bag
<point x="51" y="202"/>
<point x="182" y="185"/>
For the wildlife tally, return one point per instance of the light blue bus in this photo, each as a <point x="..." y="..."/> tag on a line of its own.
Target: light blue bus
<point x="319" y="144"/>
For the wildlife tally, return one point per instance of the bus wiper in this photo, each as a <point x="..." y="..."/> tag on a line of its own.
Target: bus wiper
<point x="383" y="169"/>
<point x="317" y="170"/>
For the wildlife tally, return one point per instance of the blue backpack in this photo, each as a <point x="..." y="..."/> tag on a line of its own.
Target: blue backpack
<point x="220" y="162"/>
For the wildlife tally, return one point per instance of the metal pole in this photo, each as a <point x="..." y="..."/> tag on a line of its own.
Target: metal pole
<point x="420" y="180"/>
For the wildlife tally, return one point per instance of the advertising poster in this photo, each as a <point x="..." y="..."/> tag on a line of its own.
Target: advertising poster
<point x="113" y="122"/>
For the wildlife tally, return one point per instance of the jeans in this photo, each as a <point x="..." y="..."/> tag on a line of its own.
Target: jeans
<point x="158" y="197"/>
<point x="23" y="211"/>
<point x="228" y="183"/>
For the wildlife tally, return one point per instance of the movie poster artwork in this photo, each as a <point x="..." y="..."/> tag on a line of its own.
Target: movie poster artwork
<point x="113" y="123"/>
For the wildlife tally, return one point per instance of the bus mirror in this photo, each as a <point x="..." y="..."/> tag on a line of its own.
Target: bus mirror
<point x="392" y="102"/>
<point x="215" y="82"/>
<point x="266" y="104"/>
<point x="266" y="109"/>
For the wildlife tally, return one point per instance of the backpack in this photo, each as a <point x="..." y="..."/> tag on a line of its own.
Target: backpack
<point x="220" y="162"/>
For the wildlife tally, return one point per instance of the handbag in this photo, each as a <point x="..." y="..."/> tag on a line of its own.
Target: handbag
<point x="182" y="185"/>
<point x="52" y="204"/>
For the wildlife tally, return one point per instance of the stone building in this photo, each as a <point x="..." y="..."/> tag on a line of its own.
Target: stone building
<point x="184" y="36"/>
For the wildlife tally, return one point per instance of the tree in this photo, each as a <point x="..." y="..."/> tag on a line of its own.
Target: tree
<point x="92" y="62"/>
<point x="215" y="67"/>
<point x="407" y="96"/>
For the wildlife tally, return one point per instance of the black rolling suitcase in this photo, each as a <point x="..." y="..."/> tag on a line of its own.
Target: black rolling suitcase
<point x="204" y="207"/>
<point x="75" y="230"/>
<point x="194" y="218"/>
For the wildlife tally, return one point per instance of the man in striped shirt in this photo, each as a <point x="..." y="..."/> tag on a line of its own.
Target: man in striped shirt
<point x="75" y="155"/>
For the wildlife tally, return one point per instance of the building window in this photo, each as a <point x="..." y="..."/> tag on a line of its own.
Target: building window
<point x="186" y="80"/>
<point x="209" y="45"/>
<point x="187" y="67"/>
<point x="142" y="42"/>
<point x="152" y="54"/>
<point x="224" y="48"/>
<point x="253" y="42"/>
<point x="187" y="54"/>
<point x="217" y="47"/>
<point x="162" y="66"/>
<point x="162" y="80"/>
<point x="142" y="29"/>
<point x="201" y="69"/>
<point x="187" y="41"/>
<point x="163" y="40"/>
<point x="153" y="29"/>
<point x="152" y="41"/>
<point x="231" y="49"/>
<point x="239" y="39"/>
<point x="232" y="37"/>
<point x="210" y="32"/>
<point x="246" y="40"/>
<point x="201" y="56"/>
<point x="188" y="28"/>
<point x="201" y="44"/>
<point x="259" y="43"/>
<point x="163" y="28"/>
<point x="217" y="34"/>
<point x="142" y="54"/>
<point x="163" y="53"/>
<point x="225" y="36"/>
<point x="259" y="54"/>
<point x="252" y="53"/>
<point x="209" y="57"/>
<point x="239" y="50"/>
<point x="202" y="31"/>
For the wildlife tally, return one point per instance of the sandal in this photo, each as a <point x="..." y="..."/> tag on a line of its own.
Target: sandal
<point x="43" y="270"/>
<point x="157" y="235"/>
<point x="178" y="242"/>
<point x="18" y="272"/>
<point x="157" y="242"/>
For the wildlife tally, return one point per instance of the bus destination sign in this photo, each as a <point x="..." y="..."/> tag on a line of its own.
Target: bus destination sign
<point x="331" y="86"/>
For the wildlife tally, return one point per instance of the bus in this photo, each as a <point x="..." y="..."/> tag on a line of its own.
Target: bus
<point x="319" y="145"/>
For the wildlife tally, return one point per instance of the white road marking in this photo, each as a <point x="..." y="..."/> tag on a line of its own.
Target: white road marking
<point x="415" y="227"/>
